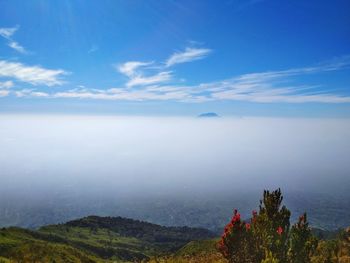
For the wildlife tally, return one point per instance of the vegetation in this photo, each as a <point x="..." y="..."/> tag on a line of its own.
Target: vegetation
<point x="267" y="237"/>
<point x="95" y="239"/>
<point x="203" y="251"/>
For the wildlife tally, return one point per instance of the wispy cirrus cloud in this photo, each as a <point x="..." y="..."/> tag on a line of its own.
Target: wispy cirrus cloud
<point x="19" y="72"/>
<point x="151" y="81"/>
<point x="135" y="71"/>
<point x="35" y="75"/>
<point x="7" y="33"/>
<point x="130" y="68"/>
<point x="142" y="73"/>
<point x="120" y="94"/>
<point x="260" y="87"/>
<point x="160" y="77"/>
<point x="276" y="86"/>
<point x="188" y="55"/>
<point x="14" y="45"/>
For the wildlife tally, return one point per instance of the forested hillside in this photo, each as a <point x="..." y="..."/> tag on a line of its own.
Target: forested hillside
<point x="95" y="239"/>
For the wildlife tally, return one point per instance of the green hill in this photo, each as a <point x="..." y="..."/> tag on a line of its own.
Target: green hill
<point x="95" y="239"/>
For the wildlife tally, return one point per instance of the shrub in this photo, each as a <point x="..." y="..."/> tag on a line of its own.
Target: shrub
<point x="267" y="237"/>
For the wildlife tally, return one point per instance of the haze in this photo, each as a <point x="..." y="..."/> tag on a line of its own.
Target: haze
<point x="169" y="153"/>
<point x="85" y="158"/>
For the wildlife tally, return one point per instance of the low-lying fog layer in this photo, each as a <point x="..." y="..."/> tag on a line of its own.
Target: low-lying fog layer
<point x="136" y="155"/>
<point x="171" y="171"/>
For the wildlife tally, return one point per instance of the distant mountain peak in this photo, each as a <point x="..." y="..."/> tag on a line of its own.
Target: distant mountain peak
<point x="208" y="115"/>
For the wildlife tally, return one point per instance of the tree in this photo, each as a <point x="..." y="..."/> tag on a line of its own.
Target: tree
<point x="302" y="244"/>
<point x="267" y="238"/>
<point x="235" y="243"/>
<point x="272" y="225"/>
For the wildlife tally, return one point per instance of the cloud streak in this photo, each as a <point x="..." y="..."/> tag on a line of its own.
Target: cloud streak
<point x="154" y="79"/>
<point x="35" y="75"/>
<point x="7" y="33"/>
<point x="138" y="71"/>
<point x="147" y="80"/>
<point x="190" y="54"/>
<point x="14" y="45"/>
<point x="261" y="87"/>
<point x="135" y="71"/>
<point x="130" y="68"/>
<point x="274" y="87"/>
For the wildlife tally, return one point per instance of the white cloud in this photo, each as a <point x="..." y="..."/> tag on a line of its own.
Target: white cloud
<point x="130" y="68"/>
<point x="135" y="71"/>
<point x="281" y="86"/>
<point x="6" y="84"/>
<point x="261" y="87"/>
<point x="149" y="80"/>
<point x="271" y="87"/>
<point x="8" y="32"/>
<point x="147" y="73"/>
<point x="190" y="54"/>
<point x="34" y="75"/>
<point x="280" y="96"/>
<point x="14" y="45"/>
<point x="122" y="94"/>
<point x="39" y="94"/>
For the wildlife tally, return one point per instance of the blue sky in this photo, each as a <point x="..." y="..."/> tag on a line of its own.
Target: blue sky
<point x="254" y="57"/>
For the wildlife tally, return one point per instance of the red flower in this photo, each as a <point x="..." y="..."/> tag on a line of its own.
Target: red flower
<point x="236" y="217"/>
<point x="279" y="230"/>
<point x="247" y="226"/>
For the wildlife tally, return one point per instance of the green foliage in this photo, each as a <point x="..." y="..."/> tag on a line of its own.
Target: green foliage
<point x="268" y="238"/>
<point x="271" y="226"/>
<point x="20" y="245"/>
<point x="95" y="239"/>
<point x="302" y="244"/>
<point x="334" y="250"/>
<point x="269" y="258"/>
<point x="203" y="251"/>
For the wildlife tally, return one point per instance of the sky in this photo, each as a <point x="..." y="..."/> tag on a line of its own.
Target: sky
<point x="235" y="57"/>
